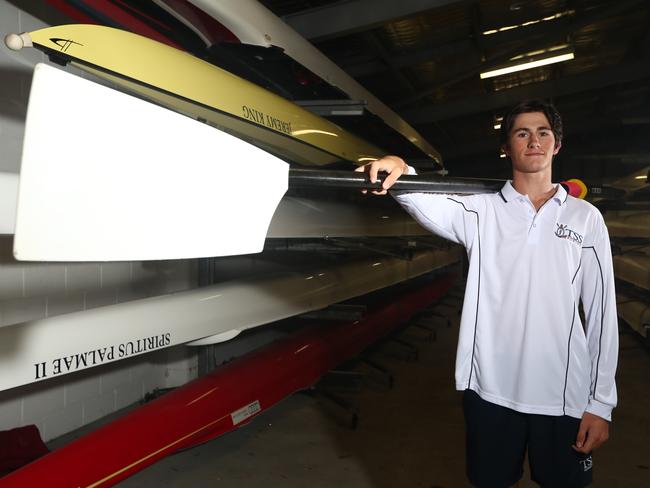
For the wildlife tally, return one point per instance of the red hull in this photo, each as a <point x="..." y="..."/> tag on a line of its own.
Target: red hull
<point x="116" y="14"/>
<point x="121" y="14"/>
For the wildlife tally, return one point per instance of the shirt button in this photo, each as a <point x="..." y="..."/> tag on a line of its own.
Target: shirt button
<point x="534" y="225"/>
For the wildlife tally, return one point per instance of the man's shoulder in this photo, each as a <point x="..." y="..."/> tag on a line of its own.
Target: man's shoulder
<point x="591" y="218"/>
<point x="583" y="207"/>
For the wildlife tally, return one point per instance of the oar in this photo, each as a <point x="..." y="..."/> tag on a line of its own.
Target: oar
<point x="106" y="176"/>
<point x="426" y="182"/>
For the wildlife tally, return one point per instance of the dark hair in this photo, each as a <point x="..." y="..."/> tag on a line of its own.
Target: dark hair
<point x="528" y="106"/>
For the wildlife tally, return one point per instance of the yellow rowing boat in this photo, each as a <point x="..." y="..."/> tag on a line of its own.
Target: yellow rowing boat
<point x="189" y="85"/>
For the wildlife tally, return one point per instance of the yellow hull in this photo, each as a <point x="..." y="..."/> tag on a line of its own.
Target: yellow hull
<point x="189" y="85"/>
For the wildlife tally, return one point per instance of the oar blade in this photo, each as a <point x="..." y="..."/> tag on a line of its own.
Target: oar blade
<point x="109" y="177"/>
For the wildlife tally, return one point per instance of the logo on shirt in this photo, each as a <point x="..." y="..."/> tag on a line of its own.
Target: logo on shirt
<point x="563" y="232"/>
<point x="587" y="464"/>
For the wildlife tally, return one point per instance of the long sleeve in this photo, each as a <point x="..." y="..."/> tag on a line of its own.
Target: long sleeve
<point x="601" y="322"/>
<point x="452" y="217"/>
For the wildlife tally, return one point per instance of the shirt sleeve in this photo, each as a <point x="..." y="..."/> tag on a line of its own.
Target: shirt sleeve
<point x="452" y="217"/>
<point x="601" y="322"/>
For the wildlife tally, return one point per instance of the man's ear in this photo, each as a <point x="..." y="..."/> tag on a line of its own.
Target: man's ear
<point x="557" y="148"/>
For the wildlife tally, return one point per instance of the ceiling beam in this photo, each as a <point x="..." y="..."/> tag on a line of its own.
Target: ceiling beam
<point x="347" y="16"/>
<point x="375" y="44"/>
<point x="403" y="59"/>
<point x="592" y="80"/>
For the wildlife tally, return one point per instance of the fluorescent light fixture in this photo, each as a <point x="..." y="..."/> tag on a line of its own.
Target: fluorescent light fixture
<point x="528" y="65"/>
<point x="644" y="177"/>
<point x="502" y="155"/>
<point x="497" y="126"/>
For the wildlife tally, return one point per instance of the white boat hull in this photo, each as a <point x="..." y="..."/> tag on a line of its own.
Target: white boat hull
<point x="635" y="313"/>
<point x="628" y="224"/>
<point x="634" y="269"/>
<point x="33" y="351"/>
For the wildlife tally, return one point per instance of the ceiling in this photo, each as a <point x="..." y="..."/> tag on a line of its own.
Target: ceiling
<point x="423" y="59"/>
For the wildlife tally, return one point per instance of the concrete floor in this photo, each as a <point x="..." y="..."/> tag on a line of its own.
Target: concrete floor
<point x="409" y="436"/>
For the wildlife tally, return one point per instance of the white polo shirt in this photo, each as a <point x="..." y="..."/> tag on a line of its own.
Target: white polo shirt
<point x="522" y="343"/>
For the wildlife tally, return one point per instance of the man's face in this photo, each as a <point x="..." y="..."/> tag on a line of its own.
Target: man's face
<point x="531" y="143"/>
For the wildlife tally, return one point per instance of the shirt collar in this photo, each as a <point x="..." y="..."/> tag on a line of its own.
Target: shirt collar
<point x="508" y="193"/>
<point x="561" y="194"/>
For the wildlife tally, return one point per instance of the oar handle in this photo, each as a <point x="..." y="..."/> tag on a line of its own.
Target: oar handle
<point x="429" y="183"/>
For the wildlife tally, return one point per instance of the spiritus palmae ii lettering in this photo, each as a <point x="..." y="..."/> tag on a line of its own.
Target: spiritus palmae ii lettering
<point x="82" y="360"/>
<point x="266" y="120"/>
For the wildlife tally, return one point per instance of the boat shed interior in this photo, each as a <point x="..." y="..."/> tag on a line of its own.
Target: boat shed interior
<point x="327" y="357"/>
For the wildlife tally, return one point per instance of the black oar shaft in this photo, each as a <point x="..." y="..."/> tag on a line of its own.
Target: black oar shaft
<point x="429" y="183"/>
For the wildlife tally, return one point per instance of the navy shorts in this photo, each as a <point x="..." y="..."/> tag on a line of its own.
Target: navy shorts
<point x="497" y="440"/>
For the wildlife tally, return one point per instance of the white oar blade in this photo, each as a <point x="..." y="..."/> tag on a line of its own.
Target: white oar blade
<point x="109" y="177"/>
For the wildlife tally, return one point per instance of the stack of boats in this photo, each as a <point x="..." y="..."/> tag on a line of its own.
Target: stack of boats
<point x="629" y="230"/>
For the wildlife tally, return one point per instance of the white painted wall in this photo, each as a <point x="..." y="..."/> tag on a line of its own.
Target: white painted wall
<point x="32" y="291"/>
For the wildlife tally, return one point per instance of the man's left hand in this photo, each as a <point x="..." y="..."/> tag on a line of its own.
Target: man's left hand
<point x="593" y="433"/>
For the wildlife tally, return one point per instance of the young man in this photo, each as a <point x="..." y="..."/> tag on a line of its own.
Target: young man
<point x="535" y="378"/>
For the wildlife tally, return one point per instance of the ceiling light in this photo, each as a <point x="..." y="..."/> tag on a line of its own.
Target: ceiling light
<point x="527" y="65"/>
<point x="643" y="177"/>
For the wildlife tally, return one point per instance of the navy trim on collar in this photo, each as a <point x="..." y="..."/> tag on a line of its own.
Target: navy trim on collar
<point x="508" y="193"/>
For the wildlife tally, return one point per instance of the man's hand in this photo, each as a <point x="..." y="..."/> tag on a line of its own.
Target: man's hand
<point x="593" y="433"/>
<point x="394" y="166"/>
